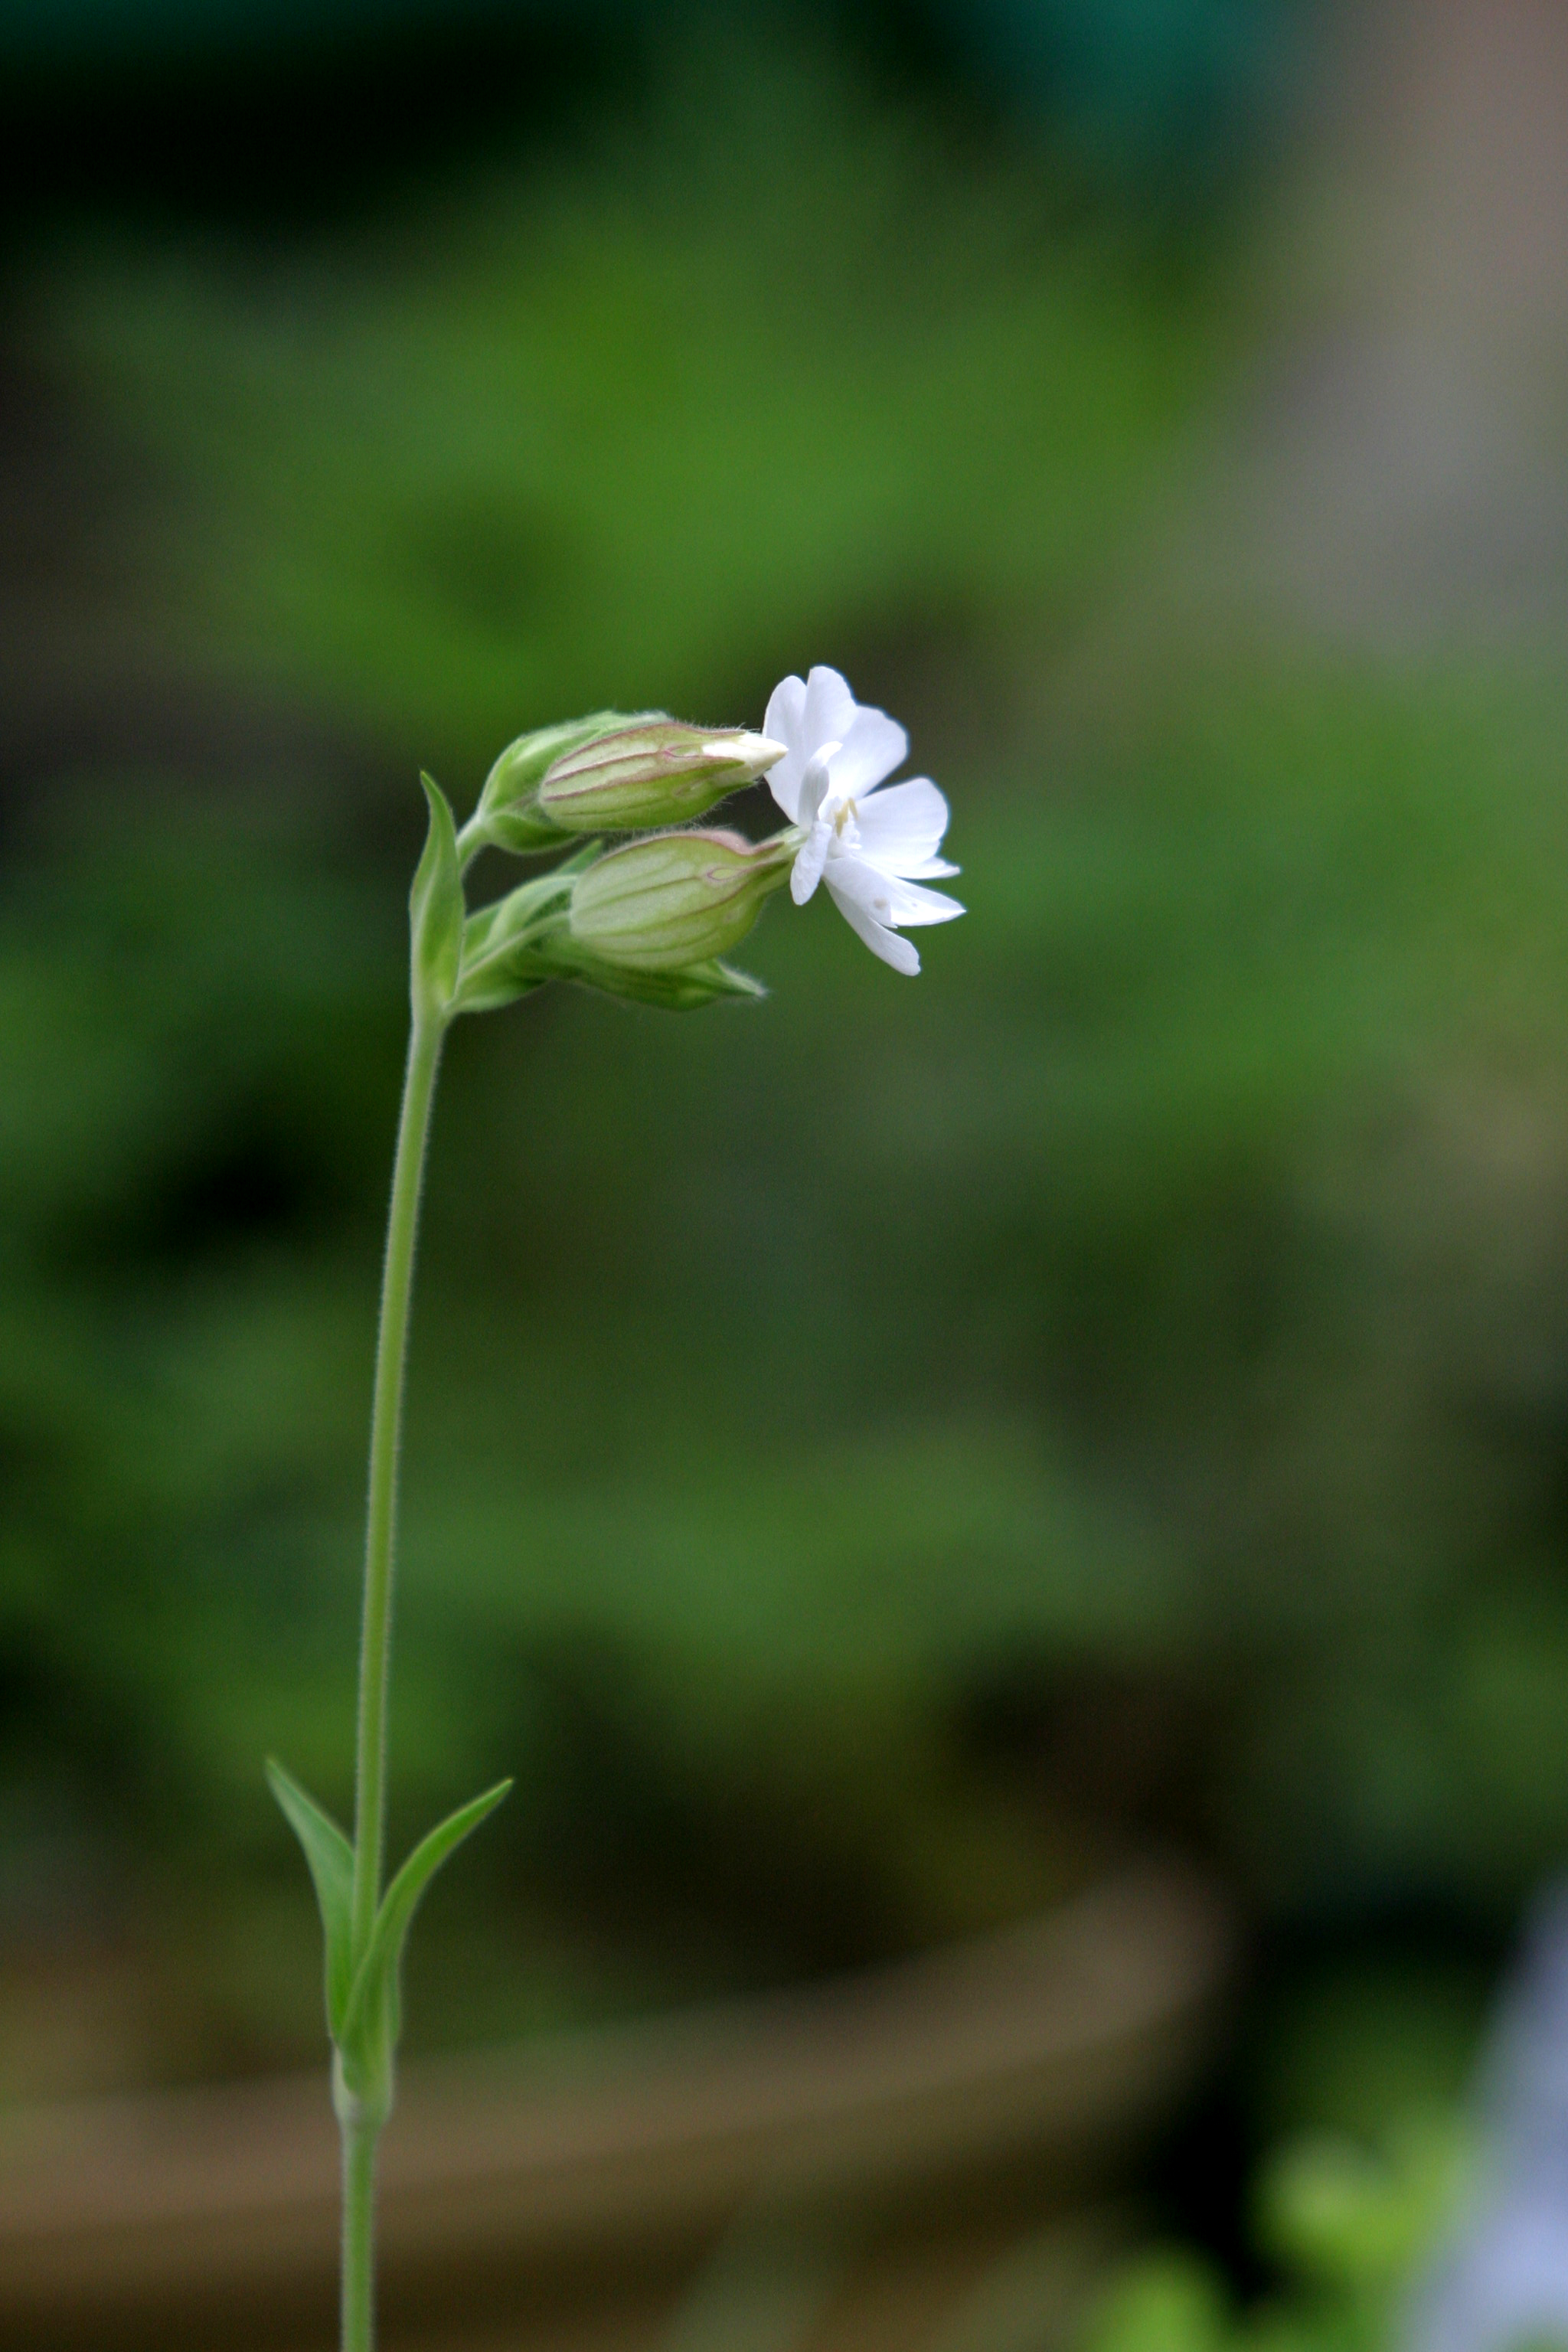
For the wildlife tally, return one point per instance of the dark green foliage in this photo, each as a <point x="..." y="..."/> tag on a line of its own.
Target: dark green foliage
<point x="1106" y="1383"/>
<point x="1343" y="2225"/>
<point x="872" y="1454"/>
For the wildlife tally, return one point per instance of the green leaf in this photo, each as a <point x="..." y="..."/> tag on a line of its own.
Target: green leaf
<point x="436" y="911"/>
<point x="332" y="1861"/>
<point x="371" y="2019"/>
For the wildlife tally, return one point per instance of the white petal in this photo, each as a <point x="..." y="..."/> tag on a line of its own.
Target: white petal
<point x="785" y="722"/>
<point x="786" y="713"/>
<point x="807" y="872"/>
<point x="874" y="746"/>
<point x="912" y="904"/>
<point x="829" y="708"/>
<point x="815" y="784"/>
<point x="900" y="826"/>
<point x="885" y="896"/>
<point x="902" y="954"/>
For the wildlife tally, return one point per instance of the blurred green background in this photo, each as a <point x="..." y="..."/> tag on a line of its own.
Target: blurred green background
<point x="878" y="1457"/>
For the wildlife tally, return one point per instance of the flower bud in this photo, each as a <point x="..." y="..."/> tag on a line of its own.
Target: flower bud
<point x="521" y="766"/>
<point x="509" y="815"/>
<point x="677" y="899"/>
<point x="657" y="772"/>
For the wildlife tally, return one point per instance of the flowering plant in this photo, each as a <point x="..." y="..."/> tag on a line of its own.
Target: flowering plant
<point x="650" y="918"/>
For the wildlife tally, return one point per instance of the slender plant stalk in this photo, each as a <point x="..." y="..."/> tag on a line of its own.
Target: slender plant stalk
<point x="649" y="920"/>
<point x="359" y="2237"/>
<point x="361" y="2134"/>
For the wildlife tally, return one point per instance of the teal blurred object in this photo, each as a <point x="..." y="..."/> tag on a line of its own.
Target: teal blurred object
<point x="1136" y="74"/>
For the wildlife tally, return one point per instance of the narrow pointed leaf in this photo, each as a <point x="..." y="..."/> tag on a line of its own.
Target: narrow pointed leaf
<point x="372" y="2002"/>
<point x="435" y="910"/>
<point x="332" y="1864"/>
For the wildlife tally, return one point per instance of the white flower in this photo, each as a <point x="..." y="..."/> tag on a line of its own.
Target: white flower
<point x="873" y="849"/>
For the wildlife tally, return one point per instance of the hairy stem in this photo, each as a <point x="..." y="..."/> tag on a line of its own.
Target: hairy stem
<point x="361" y="2130"/>
<point x="381" y="1525"/>
<point x="359" y="2237"/>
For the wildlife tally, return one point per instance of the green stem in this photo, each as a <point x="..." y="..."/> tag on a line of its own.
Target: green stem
<point x="359" y="2238"/>
<point x="380" y="1523"/>
<point x="361" y="2129"/>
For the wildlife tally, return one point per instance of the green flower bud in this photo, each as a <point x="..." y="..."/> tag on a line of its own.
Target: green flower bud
<point x="522" y="764"/>
<point x="677" y="899"/>
<point x="657" y="772"/>
<point x="508" y="815"/>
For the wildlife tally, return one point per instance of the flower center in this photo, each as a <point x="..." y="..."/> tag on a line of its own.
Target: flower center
<point x="829" y="818"/>
<point x="836" y="822"/>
